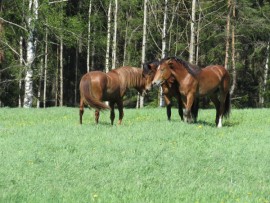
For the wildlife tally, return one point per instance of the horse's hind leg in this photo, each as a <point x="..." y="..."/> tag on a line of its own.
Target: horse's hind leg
<point x="112" y="114"/>
<point x="81" y="110"/>
<point x="168" y="106"/>
<point x="169" y="112"/>
<point x="216" y="102"/>
<point x="180" y="107"/>
<point x="96" y="116"/>
<point x="121" y="111"/>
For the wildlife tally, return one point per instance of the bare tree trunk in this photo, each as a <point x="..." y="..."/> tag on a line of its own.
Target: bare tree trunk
<point x="265" y="77"/>
<point x="108" y="38"/>
<point x="126" y="40"/>
<point x="61" y="71"/>
<point x="76" y="76"/>
<point x="198" y="36"/>
<point x="31" y="49"/>
<point x="56" y="97"/>
<point x="40" y="83"/>
<point x="93" y="50"/>
<point x="163" y="49"/>
<point x="88" y="36"/>
<point x="115" y="36"/>
<point x="192" y="33"/>
<point x="45" y="68"/>
<point x="233" y="53"/>
<point x="227" y="36"/>
<point x="140" y="101"/>
<point x="20" y="79"/>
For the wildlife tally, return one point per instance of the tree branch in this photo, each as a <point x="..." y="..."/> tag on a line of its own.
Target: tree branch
<point x="13" y="24"/>
<point x="13" y="50"/>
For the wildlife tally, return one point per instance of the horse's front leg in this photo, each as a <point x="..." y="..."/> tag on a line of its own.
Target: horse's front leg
<point x="187" y="112"/>
<point x="168" y="106"/>
<point x="112" y="114"/>
<point x="180" y="107"/>
<point x="121" y="111"/>
<point x="81" y="110"/>
<point x="96" y="116"/>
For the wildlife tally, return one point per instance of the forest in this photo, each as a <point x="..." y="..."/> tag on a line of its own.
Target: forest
<point x="46" y="46"/>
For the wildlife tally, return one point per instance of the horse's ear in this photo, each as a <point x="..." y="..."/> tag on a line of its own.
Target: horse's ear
<point x="170" y="63"/>
<point x="153" y="67"/>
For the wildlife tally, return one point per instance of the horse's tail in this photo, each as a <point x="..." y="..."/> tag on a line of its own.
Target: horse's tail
<point x="88" y="98"/>
<point x="227" y="107"/>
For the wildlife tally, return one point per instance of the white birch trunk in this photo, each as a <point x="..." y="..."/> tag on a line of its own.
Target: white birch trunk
<point x="233" y="53"/>
<point x="140" y="101"/>
<point x="192" y="33"/>
<point x="115" y="35"/>
<point x="108" y="38"/>
<point x="163" y="49"/>
<point x="30" y="52"/>
<point x="76" y="75"/>
<point x="45" y="68"/>
<point x="88" y="36"/>
<point x="56" y="96"/>
<point x="198" y="37"/>
<point x="265" y="76"/>
<point x="61" y="72"/>
<point x="40" y="82"/>
<point x="227" y="36"/>
<point x="20" y="79"/>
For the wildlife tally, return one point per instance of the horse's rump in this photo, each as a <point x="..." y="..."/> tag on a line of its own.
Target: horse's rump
<point x="89" y="90"/>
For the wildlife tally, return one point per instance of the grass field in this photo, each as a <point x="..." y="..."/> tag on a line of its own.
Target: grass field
<point x="46" y="156"/>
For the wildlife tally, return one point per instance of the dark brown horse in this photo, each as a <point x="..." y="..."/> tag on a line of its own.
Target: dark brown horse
<point x="170" y="89"/>
<point x="97" y="86"/>
<point x="193" y="82"/>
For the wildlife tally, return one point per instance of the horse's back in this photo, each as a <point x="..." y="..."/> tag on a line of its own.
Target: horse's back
<point x="211" y="78"/>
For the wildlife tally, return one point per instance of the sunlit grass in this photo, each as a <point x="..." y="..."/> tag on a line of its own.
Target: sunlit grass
<point x="46" y="156"/>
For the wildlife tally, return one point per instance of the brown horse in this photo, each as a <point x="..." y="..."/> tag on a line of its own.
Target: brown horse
<point x="193" y="82"/>
<point x="97" y="86"/>
<point x="170" y="89"/>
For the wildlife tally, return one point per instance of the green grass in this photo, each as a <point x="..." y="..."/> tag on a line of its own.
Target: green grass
<point x="46" y="156"/>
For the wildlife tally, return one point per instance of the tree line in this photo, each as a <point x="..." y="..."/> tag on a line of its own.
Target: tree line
<point x="47" y="45"/>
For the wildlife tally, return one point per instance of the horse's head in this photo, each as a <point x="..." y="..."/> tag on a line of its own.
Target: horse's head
<point x="149" y="70"/>
<point x="163" y="72"/>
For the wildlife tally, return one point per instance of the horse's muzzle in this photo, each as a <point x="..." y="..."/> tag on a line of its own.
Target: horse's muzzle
<point x="157" y="83"/>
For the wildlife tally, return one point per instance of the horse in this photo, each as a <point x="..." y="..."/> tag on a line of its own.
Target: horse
<point x="169" y="89"/>
<point x="213" y="80"/>
<point x="97" y="86"/>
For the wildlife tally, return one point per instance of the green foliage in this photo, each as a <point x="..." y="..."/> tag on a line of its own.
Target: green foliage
<point x="69" y="20"/>
<point x="48" y="157"/>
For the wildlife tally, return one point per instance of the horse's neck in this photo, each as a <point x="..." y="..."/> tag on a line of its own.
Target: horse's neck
<point x="135" y="79"/>
<point x="180" y="73"/>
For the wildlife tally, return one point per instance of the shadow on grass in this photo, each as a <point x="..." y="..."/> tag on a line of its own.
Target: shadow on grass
<point x="226" y="123"/>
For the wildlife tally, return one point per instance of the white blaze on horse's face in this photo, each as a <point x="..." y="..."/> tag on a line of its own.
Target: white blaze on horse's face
<point x="158" y="77"/>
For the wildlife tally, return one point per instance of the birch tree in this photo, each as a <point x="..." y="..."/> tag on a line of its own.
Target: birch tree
<point x="30" y="53"/>
<point x="233" y="69"/>
<point x="265" y="76"/>
<point x="192" y="32"/>
<point x="45" y="68"/>
<point x="228" y="25"/>
<point x="163" y="48"/>
<point x="61" y="69"/>
<point x="114" y="36"/>
<point x="88" y="36"/>
<point x="140" y="100"/>
<point x="108" y="37"/>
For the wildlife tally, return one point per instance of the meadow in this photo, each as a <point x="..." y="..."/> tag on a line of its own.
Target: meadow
<point x="46" y="156"/>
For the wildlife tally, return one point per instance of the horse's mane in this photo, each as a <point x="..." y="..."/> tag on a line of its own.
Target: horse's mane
<point x="132" y="75"/>
<point x="146" y="68"/>
<point x="192" y="69"/>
